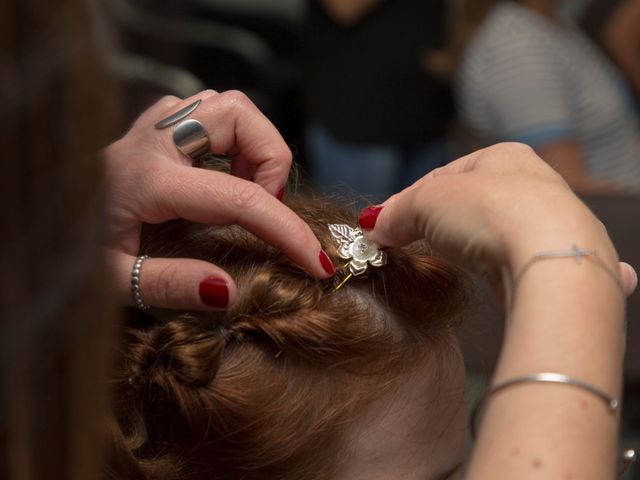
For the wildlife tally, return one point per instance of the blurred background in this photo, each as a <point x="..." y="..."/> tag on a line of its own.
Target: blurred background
<point x="372" y="94"/>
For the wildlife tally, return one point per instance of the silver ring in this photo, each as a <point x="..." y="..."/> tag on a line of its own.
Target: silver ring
<point x="179" y="115"/>
<point x="135" y="283"/>
<point x="189" y="136"/>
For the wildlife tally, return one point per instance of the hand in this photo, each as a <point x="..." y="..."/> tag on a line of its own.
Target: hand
<point x="492" y="211"/>
<point x="150" y="181"/>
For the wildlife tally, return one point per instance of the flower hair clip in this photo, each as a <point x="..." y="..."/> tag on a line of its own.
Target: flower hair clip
<point x="353" y="246"/>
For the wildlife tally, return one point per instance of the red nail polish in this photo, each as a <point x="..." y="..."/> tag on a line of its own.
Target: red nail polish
<point x="280" y="194"/>
<point x="326" y="263"/>
<point x="368" y="217"/>
<point x="214" y="292"/>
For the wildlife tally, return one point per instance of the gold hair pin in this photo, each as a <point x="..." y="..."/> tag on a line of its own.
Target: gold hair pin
<point x="360" y="251"/>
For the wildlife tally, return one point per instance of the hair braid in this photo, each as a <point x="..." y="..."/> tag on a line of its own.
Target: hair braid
<point x="268" y="388"/>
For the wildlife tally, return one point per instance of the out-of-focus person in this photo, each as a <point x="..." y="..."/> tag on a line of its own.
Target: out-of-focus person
<point x="615" y="26"/>
<point x="528" y="76"/>
<point x="377" y="118"/>
<point x="56" y="323"/>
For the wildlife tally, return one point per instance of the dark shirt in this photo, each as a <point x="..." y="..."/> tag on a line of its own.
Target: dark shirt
<point x="367" y="84"/>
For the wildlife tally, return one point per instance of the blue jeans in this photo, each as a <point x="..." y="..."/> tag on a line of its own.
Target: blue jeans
<point x="372" y="171"/>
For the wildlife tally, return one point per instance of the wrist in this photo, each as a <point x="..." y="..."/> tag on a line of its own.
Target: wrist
<point x="575" y="231"/>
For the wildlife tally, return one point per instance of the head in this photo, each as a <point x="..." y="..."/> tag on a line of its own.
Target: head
<point x="297" y="379"/>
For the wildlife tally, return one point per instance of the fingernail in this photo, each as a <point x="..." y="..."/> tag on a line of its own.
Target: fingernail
<point x="214" y="292"/>
<point x="368" y="217"/>
<point x="280" y="194"/>
<point x="326" y="263"/>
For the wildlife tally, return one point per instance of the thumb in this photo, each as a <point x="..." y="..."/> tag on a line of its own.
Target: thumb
<point x="172" y="283"/>
<point x="402" y="218"/>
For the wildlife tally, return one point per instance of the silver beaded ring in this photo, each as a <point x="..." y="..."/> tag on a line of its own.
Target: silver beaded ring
<point x="135" y="283"/>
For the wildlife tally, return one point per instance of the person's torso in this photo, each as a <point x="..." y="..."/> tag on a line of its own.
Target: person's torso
<point x="366" y="83"/>
<point x="602" y="118"/>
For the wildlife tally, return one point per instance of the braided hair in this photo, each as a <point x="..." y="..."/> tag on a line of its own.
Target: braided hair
<point x="271" y="387"/>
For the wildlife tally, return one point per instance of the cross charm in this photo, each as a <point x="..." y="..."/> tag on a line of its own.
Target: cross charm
<point x="578" y="253"/>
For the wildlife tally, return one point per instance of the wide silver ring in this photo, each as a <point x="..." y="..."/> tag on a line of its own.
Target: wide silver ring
<point x="189" y="135"/>
<point x="135" y="283"/>
<point x="191" y="138"/>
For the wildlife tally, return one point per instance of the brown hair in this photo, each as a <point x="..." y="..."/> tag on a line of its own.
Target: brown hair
<point x="270" y="388"/>
<point x="55" y="330"/>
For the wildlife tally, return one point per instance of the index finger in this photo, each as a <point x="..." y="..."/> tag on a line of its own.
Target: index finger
<point x="237" y="127"/>
<point x="216" y="198"/>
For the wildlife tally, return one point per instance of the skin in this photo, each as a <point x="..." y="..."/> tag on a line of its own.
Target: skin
<point x="349" y="12"/>
<point x="150" y="181"/>
<point x="509" y="205"/>
<point x="562" y="316"/>
<point x="417" y="430"/>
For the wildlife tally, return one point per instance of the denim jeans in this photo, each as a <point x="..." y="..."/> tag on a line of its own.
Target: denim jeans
<point x="371" y="171"/>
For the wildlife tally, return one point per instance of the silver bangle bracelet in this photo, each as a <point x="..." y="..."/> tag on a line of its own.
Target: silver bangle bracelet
<point x="613" y="404"/>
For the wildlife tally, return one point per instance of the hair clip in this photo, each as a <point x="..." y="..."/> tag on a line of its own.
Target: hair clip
<point x="353" y="246"/>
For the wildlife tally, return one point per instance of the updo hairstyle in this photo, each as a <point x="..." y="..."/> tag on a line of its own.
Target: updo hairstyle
<point x="270" y="388"/>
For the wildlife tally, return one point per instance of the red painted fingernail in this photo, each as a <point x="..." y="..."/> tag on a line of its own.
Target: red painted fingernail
<point x="214" y="292"/>
<point x="368" y="217"/>
<point x="280" y="194"/>
<point x="326" y="263"/>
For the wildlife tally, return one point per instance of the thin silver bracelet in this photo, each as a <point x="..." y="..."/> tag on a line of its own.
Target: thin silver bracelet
<point x="576" y="253"/>
<point x="628" y="456"/>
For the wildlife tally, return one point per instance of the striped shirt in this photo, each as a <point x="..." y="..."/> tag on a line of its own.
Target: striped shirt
<point x="529" y="79"/>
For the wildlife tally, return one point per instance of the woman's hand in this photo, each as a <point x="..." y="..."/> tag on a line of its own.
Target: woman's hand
<point x="492" y="211"/>
<point x="150" y="181"/>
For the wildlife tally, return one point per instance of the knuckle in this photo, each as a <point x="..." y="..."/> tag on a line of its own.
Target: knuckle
<point x="237" y="99"/>
<point x="282" y="157"/>
<point x="515" y="148"/>
<point x="509" y="155"/>
<point x="436" y="172"/>
<point x="285" y="155"/>
<point x="168" y="100"/>
<point x="155" y="112"/>
<point x="246" y="195"/>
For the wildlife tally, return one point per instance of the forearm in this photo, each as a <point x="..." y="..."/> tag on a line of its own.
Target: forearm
<point x="349" y="12"/>
<point x="494" y="211"/>
<point x="568" y="318"/>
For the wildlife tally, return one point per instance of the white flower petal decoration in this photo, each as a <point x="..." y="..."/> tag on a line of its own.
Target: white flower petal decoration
<point x="353" y="246"/>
